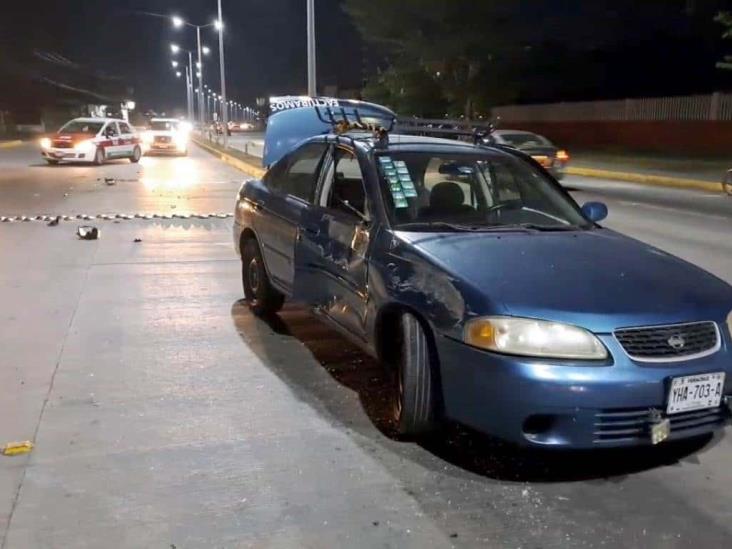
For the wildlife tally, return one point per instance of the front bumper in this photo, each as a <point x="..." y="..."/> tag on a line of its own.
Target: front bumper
<point x="67" y="155"/>
<point x="571" y="405"/>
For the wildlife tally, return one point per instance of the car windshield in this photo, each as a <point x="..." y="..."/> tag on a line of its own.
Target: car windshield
<point x="164" y="125"/>
<point x="461" y="192"/>
<point x="524" y="140"/>
<point x="82" y="126"/>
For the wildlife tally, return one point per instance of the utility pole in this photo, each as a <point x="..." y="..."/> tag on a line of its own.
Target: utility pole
<point x="312" y="86"/>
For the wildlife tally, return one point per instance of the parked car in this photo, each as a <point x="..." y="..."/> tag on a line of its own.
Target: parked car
<point x="491" y="296"/>
<point x="167" y="135"/>
<point x="92" y="140"/>
<point x="537" y="146"/>
<point x="241" y="126"/>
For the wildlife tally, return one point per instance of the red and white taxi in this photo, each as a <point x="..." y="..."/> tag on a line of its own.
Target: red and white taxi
<point x="92" y="140"/>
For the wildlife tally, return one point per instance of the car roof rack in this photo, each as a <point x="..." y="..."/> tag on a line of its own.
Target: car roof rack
<point x="476" y="132"/>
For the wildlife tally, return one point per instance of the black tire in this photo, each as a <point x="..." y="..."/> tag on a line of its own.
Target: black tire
<point x="52" y="162"/>
<point x="99" y="157"/>
<point x="263" y="299"/>
<point x="136" y="155"/>
<point x="414" y="402"/>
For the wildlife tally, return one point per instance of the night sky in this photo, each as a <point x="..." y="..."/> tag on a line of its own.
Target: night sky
<point x="265" y="46"/>
<point x="265" y="42"/>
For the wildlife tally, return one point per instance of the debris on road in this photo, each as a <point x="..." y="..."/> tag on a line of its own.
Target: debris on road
<point x="86" y="232"/>
<point x="110" y="180"/>
<point x="17" y="448"/>
<point x="138" y="240"/>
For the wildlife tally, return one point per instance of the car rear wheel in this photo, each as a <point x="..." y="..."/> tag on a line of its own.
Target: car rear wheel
<point x="263" y="299"/>
<point x="727" y="183"/>
<point x="414" y="386"/>
<point x="136" y="155"/>
<point x="99" y="157"/>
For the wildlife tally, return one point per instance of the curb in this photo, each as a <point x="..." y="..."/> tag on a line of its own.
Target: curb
<point x="8" y="144"/>
<point x="239" y="164"/>
<point x="644" y="179"/>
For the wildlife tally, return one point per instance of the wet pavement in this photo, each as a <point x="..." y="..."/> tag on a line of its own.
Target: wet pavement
<point x="166" y="415"/>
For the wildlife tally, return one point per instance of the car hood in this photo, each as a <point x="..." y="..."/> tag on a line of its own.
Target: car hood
<point x="72" y="137"/>
<point x="597" y="279"/>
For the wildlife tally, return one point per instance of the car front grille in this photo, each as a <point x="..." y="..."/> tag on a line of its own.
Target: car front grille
<point x="162" y="139"/>
<point x="632" y="424"/>
<point x="63" y="145"/>
<point x="672" y="342"/>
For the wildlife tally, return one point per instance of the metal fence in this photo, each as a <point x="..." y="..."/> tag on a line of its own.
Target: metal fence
<point x="716" y="106"/>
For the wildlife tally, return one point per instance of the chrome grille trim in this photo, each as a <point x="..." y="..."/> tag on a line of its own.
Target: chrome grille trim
<point x="668" y="358"/>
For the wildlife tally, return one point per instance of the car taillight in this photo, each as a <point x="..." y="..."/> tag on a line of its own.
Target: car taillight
<point x="562" y="155"/>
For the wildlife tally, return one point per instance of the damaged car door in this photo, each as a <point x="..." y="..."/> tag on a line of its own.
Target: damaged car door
<point x="331" y="250"/>
<point x="292" y="187"/>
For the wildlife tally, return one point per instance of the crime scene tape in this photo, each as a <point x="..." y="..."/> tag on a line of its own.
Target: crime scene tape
<point x="110" y="217"/>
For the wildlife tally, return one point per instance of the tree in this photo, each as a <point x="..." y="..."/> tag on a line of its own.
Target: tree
<point x="725" y="18"/>
<point x="441" y="42"/>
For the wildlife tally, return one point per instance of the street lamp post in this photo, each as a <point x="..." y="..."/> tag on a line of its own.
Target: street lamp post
<point x="220" y="27"/>
<point x="312" y="88"/>
<point x="179" y="22"/>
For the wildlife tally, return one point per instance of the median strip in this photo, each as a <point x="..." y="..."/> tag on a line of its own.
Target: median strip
<point x="645" y="179"/>
<point x="8" y="144"/>
<point x="250" y="165"/>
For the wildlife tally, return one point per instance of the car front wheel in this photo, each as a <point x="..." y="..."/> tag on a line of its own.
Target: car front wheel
<point x="136" y="155"/>
<point x="51" y="161"/>
<point x="263" y="299"/>
<point x="414" y="386"/>
<point x="99" y="157"/>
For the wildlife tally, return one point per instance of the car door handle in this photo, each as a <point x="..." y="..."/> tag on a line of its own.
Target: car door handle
<point x="313" y="230"/>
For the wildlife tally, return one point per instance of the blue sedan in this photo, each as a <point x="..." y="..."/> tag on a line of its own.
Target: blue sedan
<point x="489" y="294"/>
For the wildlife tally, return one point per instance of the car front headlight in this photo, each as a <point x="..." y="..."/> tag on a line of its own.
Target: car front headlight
<point x="85" y="146"/>
<point x="535" y="338"/>
<point x="181" y="140"/>
<point x="45" y="143"/>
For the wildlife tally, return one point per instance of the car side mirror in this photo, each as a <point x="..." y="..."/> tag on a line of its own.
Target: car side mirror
<point x="594" y="211"/>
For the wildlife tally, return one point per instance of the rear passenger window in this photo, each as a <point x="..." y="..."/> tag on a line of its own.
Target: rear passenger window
<point x="124" y="128"/>
<point x="302" y="172"/>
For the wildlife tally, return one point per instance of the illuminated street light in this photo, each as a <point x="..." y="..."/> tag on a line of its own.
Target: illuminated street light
<point x="206" y="50"/>
<point x="175" y="48"/>
<point x="218" y="24"/>
<point x="198" y="64"/>
<point x="177" y="21"/>
<point x="174" y="63"/>
<point x="177" y="73"/>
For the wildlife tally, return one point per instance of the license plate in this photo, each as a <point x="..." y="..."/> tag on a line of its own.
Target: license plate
<point x="697" y="392"/>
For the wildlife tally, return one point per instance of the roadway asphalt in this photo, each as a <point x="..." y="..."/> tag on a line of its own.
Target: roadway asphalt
<point x="166" y="415"/>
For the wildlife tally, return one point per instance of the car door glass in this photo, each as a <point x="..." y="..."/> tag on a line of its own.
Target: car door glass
<point x="343" y="189"/>
<point x="302" y="171"/>
<point x="111" y="130"/>
<point x="124" y="128"/>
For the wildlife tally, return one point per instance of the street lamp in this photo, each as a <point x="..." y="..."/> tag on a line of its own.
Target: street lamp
<point x="179" y="22"/>
<point x="220" y="27"/>
<point x="312" y="87"/>
<point x="206" y="50"/>
<point x="175" y="48"/>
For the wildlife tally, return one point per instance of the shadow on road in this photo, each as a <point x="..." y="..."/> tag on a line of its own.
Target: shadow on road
<point x="279" y="341"/>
